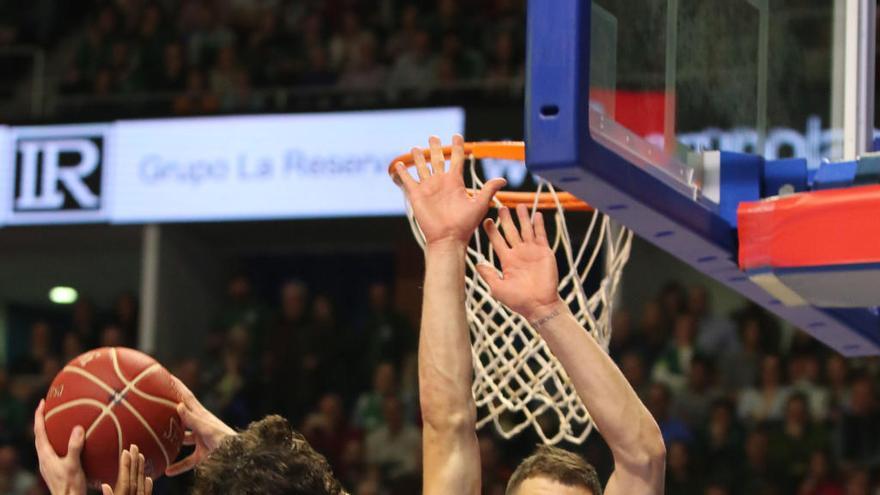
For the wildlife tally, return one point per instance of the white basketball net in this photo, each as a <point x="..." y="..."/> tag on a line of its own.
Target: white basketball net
<point x="518" y="383"/>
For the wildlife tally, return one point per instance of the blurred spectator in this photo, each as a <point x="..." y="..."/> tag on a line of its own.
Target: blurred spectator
<point x="504" y="62"/>
<point x="759" y="474"/>
<point x="739" y="366"/>
<point x="804" y="370"/>
<point x="858" y="435"/>
<point x="767" y="400"/>
<point x="151" y="39"/>
<point x="225" y="72"/>
<point x="226" y="395"/>
<point x="328" y="431"/>
<point x="317" y="71"/>
<point x="837" y="376"/>
<point x="34" y="390"/>
<point x="680" y="476"/>
<point x="39" y="348"/>
<point x="792" y="442"/>
<point x="71" y="346"/>
<point x="413" y="71"/>
<point x="364" y="72"/>
<point x="389" y="336"/>
<point x="654" y="327"/>
<point x="84" y="322"/>
<point x="173" y="74"/>
<point x="345" y="46"/>
<point x="405" y="34"/>
<point x="672" y="366"/>
<point x="467" y="63"/>
<point x="858" y="482"/>
<point x="673" y="299"/>
<point x="395" y="446"/>
<point x="112" y="336"/>
<point x="692" y="403"/>
<point x="196" y="99"/>
<point x="368" y="409"/>
<point x="243" y="309"/>
<point x="714" y="335"/>
<point x="722" y="442"/>
<point x="633" y="368"/>
<point x="821" y="478"/>
<point x="672" y="428"/>
<point x="623" y="338"/>
<point x="207" y="35"/>
<point x="13" y="479"/>
<point x="13" y="416"/>
<point x="266" y="54"/>
<point x="300" y="349"/>
<point x="125" y="316"/>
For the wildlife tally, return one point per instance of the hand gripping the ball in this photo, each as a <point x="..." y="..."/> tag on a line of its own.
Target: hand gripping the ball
<point x="206" y="431"/>
<point x="529" y="281"/>
<point x="63" y="475"/>
<point x="441" y="204"/>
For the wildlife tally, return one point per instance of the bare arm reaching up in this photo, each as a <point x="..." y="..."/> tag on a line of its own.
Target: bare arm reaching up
<point x="528" y="285"/>
<point x="447" y="217"/>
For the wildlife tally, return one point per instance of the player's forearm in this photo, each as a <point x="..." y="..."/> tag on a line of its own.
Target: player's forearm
<point x="625" y="423"/>
<point x="445" y="367"/>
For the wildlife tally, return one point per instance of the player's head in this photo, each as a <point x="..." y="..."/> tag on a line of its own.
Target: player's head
<point x="268" y="458"/>
<point x="553" y="470"/>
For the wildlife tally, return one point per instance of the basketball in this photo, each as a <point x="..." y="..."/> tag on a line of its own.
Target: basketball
<point x="120" y="397"/>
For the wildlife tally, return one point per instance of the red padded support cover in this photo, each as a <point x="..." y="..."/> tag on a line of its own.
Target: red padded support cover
<point x="834" y="227"/>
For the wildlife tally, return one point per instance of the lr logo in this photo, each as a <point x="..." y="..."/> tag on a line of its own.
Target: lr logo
<point x="58" y="173"/>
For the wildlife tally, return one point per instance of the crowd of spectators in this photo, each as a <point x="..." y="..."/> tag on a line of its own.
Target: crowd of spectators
<point x="212" y="54"/>
<point x="744" y="405"/>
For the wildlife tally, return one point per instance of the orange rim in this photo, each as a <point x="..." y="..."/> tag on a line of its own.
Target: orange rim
<point x="505" y="150"/>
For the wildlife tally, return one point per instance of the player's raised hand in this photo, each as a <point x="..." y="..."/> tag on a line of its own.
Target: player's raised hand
<point x="441" y="204"/>
<point x="529" y="282"/>
<point x="131" y="479"/>
<point x="206" y="431"/>
<point x="63" y="475"/>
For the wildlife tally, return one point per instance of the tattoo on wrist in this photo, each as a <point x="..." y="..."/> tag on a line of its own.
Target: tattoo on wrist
<point x="540" y="322"/>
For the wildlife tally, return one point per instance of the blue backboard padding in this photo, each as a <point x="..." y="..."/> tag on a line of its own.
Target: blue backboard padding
<point x="783" y="172"/>
<point x="835" y="175"/>
<point x="564" y="74"/>
<point x="741" y="178"/>
<point x="561" y="149"/>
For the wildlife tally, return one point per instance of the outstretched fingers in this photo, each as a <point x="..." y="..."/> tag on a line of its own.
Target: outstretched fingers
<point x="510" y="231"/>
<point x="456" y="159"/>
<point x="498" y="243"/>
<point x="421" y="165"/>
<point x="438" y="161"/>
<point x="525" y="223"/>
<point x="404" y="179"/>
<point x="540" y="231"/>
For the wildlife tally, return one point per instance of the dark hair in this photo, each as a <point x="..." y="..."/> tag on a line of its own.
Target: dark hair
<point x="558" y="465"/>
<point x="270" y="458"/>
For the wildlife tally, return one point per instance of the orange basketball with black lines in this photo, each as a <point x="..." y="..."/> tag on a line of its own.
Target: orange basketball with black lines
<point x="120" y="397"/>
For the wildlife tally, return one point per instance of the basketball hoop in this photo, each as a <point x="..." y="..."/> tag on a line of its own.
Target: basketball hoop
<point x="518" y="383"/>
